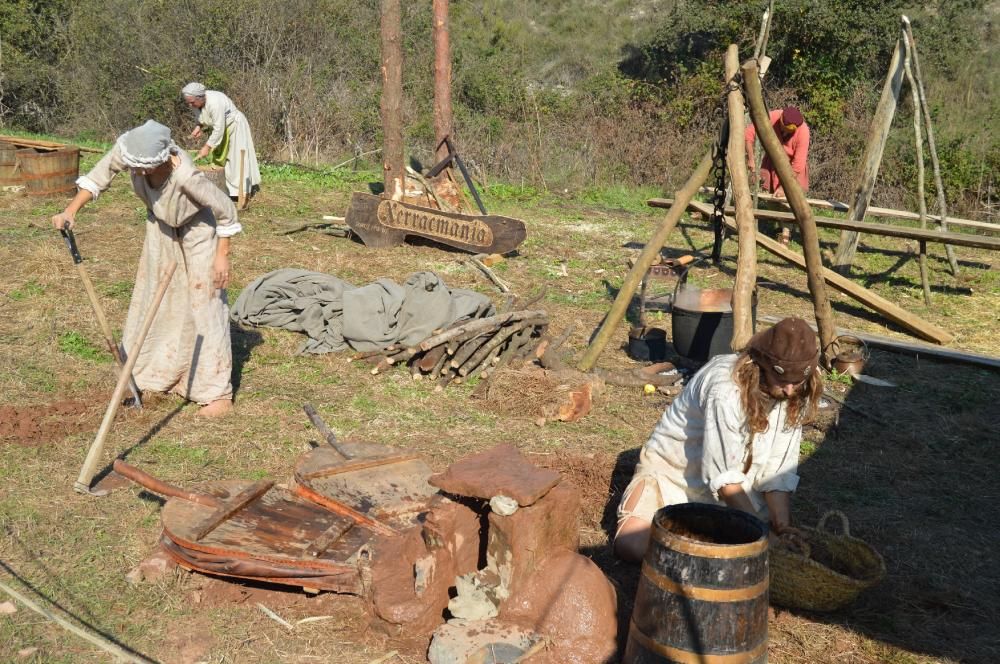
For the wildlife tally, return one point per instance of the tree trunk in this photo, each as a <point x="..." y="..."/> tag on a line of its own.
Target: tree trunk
<point x="746" y="264"/>
<point x="392" y="99"/>
<point x="442" y="78"/>
<point x="797" y="201"/>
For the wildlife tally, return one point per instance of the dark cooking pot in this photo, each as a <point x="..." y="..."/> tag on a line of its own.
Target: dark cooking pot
<point x="647" y="344"/>
<point x="702" y="320"/>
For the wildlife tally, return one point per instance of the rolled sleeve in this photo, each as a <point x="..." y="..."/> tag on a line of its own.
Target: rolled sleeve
<point x="104" y="171"/>
<point x="724" y="445"/>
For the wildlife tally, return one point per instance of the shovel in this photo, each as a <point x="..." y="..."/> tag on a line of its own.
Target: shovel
<point x="102" y="320"/>
<point x="89" y="469"/>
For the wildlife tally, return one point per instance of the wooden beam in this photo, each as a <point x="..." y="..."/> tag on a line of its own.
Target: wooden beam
<point x="45" y="145"/>
<point x="797" y="199"/>
<point x="736" y="155"/>
<point x="888" y="213"/>
<point x="646" y="258"/>
<point x="913" y="349"/>
<point x="887" y="230"/>
<point x="918" y="326"/>
<point x="878" y="134"/>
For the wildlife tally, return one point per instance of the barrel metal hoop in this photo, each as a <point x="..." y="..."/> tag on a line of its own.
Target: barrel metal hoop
<point x="688" y="657"/>
<point x="44" y="176"/>
<point x="702" y="593"/>
<point x="684" y="545"/>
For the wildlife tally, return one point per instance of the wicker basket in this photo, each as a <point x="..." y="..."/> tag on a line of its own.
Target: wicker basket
<point x="799" y="581"/>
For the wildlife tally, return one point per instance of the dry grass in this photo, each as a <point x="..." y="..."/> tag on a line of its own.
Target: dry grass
<point x="915" y="479"/>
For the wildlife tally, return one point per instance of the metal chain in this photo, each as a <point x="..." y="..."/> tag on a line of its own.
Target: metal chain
<point x="719" y="171"/>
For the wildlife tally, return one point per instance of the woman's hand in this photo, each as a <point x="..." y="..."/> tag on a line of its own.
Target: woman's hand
<point x="64" y="219"/>
<point x="220" y="271"/>
<point x="196" y="132"/>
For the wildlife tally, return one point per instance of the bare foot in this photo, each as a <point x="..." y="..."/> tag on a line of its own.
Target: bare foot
<point x="217" y="408"/>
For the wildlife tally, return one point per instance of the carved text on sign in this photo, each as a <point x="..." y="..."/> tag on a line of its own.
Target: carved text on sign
<point x="425" y="222"/>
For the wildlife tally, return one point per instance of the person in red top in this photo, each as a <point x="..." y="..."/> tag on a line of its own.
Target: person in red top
<point x="793" y="132"/>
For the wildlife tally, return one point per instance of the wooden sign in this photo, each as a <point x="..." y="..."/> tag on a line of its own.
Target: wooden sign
<point x="381" y="222"/>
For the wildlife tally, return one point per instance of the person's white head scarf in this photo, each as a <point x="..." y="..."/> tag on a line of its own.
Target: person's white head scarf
<point x="147" y="146"/>
<point x="193" y="89"/>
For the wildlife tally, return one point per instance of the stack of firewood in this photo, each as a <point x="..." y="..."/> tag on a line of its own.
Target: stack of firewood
<point x="466" y="350"/>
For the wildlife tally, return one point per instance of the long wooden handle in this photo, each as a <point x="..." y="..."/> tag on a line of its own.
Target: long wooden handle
<point x="155" y="485"/>
<point x="331" y="438"/>
<point x="93" y="455"/>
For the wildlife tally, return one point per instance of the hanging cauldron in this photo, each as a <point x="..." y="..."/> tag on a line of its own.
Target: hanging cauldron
<point x="702" y="320"/>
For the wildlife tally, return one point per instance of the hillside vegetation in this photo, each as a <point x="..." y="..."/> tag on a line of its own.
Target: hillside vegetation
<point x="553" y="94"/>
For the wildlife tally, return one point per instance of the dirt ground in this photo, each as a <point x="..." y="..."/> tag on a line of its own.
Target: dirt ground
<point x="911" y="465"/>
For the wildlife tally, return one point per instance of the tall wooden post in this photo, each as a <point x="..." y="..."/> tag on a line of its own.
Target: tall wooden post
<point x="919" y="144"/>
<point x="442" y="79"/>
<point x="736" y="155"/>
<point x="392" y="99"/>
<point x="922" y="96"/>
<point x="875" y="146"/>
<point x="800" y="207"/>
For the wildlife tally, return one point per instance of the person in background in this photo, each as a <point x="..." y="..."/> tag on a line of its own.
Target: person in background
<point x="730" y="438"/>
<point x="188" y="220"/>
<point x="229" y="140"/>
<point x="793" y="132"/>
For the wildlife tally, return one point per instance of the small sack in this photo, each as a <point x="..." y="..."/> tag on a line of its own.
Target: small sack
<point x="829" y="573"/>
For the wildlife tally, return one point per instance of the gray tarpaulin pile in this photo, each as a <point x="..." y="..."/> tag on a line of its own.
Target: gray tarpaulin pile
<point x="337" y="315"/>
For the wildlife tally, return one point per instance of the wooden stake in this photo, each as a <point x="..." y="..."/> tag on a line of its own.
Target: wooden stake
<point x="942" y="204"/>
<point x="797" y="200"/>
<point x="646" y="258"/>
<point x="919" y="142"/>
<point x="746" y="263"/>
<point x="872" y="159"/>
<point x="89" y="468"/>
<point x="241" y="199"/>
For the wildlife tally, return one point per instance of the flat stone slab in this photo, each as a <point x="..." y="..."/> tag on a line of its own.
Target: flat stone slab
<point x="501" y="471"/>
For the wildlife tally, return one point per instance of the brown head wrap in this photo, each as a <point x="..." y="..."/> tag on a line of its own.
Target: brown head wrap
<point x="789" y="349"/>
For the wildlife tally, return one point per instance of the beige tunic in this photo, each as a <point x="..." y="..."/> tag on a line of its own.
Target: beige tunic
<point x="218" y="114"/>
<point x="187" y="350"/>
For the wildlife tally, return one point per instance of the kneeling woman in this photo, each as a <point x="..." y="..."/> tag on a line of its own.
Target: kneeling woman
<point x="190" y="221"/>
<point x="731" y="437"/>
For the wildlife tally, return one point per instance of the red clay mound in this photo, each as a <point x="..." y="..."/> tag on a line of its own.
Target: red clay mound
<point x="35" y="425"/>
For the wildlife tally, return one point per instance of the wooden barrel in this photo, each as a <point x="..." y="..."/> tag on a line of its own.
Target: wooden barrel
<point x="49" y="172"/>
<point x="217" y="175"/>
<point x="9" y="172"/>
<point x="702" y="595"/>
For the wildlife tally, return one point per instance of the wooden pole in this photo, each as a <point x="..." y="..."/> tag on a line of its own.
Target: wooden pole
<point x="797" y="201"/>
<point x="89" y="468"/>
<point x="872" y="159"/>
<point x="241" y="198"/>
<point x="942" y="204"/>
<point x="392" y="99"/>
<point x="105" y="644"/>
<point x="646" y="258"/>
<point x="914" y="324"/>
<point x="442" y="79"/>
<point x="919" y="142"/>
<point x="746" y="263"/>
